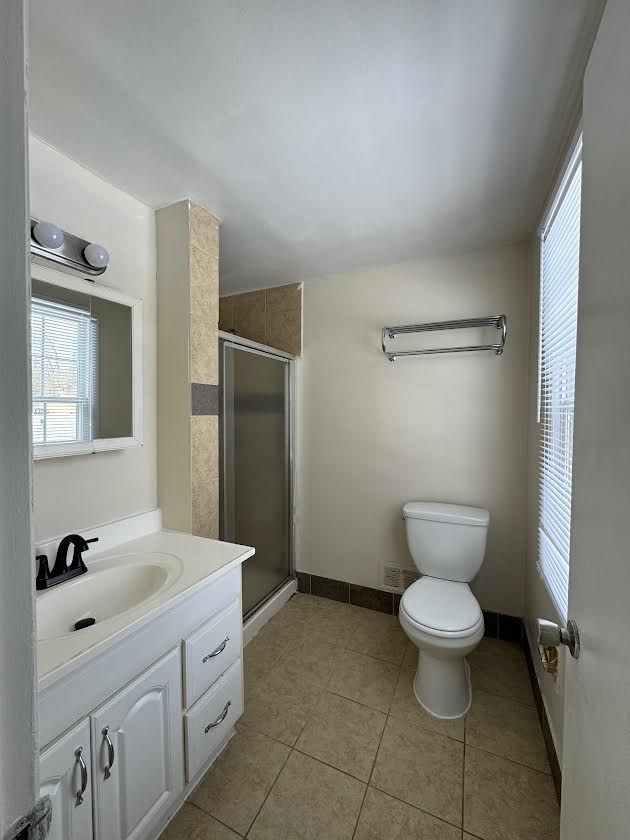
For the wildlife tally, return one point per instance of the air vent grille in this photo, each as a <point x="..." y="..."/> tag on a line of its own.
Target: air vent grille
<point x="397" y="579"/>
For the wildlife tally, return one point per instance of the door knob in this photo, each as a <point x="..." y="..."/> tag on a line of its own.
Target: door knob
<point x="551" y="634"/>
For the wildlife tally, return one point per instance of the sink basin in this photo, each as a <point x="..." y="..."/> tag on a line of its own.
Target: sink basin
<point x="112" y="586"/>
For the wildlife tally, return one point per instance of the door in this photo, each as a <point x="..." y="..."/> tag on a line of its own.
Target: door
<point x="138" y="752"/>
<point x="64" y="775"/>
<point x="596" y="772"/>
<point x="256" y="503"/>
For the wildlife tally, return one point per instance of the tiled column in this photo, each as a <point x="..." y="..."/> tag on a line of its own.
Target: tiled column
<point x="188" y="308"/>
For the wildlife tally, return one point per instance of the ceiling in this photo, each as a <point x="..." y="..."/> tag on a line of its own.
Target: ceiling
<point x="325" y="135"/>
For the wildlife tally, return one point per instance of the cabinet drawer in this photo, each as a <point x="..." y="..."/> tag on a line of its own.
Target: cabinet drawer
<point x="210" y="651"/>
<point x="210" y="720"/>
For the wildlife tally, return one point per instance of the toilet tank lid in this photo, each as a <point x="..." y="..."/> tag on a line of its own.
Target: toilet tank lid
<point x="442" y="512"/>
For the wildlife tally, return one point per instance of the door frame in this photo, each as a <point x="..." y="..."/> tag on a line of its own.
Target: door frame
<point x="19" y="755"/>
<point x="247" y="345"/>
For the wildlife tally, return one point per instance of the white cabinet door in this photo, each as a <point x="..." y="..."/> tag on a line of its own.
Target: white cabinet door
<point x="138" y="752"/>
<point x="64" y="772"/>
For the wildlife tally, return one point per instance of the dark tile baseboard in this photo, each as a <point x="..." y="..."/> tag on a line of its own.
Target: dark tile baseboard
<point x="556" y="770"/>
<point x="348" y="593"/>
<point x="509" y="628"/>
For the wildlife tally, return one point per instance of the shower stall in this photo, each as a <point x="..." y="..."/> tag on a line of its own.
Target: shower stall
<point x="256" y="463"/>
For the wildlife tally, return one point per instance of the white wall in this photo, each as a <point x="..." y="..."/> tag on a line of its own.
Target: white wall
<point x="73" y="494"/>
<point x="372" y="434"/>
<point x="18" y="744"/>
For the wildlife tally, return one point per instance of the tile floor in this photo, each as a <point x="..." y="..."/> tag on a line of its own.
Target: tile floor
<point x="334" y="746"/>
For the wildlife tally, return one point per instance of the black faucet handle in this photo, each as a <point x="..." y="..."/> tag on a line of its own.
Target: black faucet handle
<point x="43" y="572"/>
<point x="93" y="540"/>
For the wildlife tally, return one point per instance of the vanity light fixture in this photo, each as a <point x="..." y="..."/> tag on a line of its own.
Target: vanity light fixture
<point x="50" y="244"/>
<point x="48" y="235"/>
<point x="96" y="255"/>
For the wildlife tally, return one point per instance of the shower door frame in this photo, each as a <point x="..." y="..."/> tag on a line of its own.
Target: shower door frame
<point x="227" y="339"/>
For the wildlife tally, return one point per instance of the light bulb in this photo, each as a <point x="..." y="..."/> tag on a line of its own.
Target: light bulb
<point x="48" y="235"/>
<point x="96" y="255"/>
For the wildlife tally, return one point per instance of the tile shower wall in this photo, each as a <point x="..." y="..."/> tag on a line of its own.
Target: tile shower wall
<point x="188" y="312"/>
<point x="269" y="316"/>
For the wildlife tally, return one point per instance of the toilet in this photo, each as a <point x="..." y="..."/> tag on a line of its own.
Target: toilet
<point x="439" y="613"/>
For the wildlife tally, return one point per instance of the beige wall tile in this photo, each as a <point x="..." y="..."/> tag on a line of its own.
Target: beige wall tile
<point x="226" y="313"/>
<point x="202" y="351"/>
<point x="284" y="330"/>
<point x="285" y="297"/>
<point x="204" y="230"/>
<point x="204" y="445"/>
<point x="249" y="315"/>
<point x="284" y="318"/>
<point x="205" y="507"/>
<point x="271" y="316"/>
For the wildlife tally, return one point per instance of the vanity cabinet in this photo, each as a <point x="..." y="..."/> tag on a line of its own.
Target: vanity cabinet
<point x="138" y="760"/>
<point x="65" y="775"/>
<point x="155" y="709"/>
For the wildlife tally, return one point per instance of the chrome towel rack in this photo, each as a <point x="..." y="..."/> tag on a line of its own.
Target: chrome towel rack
<point x="499" y="322"/>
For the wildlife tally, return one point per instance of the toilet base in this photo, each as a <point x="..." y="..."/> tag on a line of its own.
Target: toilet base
<point x="442" y="686"/>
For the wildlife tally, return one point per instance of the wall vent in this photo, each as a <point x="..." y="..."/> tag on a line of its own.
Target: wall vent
<point x="397" y="579"/>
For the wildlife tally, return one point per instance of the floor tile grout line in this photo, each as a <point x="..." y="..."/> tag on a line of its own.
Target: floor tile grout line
<point x="358" y="820"/>
<point x="367" y="786"/>
<point x="284" y="763"/>
<point x="416" y="808"/>
<point x="400" y="720"/>
<point x="464" y="774"/>
<point x="511" y="760"/>
<point x="212" y="816"/>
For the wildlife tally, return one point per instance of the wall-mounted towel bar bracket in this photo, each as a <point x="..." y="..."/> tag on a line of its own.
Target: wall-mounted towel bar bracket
<point x="499" y="322"/>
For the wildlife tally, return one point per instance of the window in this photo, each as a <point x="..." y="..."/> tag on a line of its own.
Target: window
<point x="559" y="271"/>
<point x="64" y="356"/>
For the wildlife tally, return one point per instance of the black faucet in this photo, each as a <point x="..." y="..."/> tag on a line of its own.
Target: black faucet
<point x="62" y="570"/>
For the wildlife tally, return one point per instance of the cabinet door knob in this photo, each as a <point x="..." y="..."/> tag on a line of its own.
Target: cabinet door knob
<point x="110" y="752"/>
<point x="84" y="775"/>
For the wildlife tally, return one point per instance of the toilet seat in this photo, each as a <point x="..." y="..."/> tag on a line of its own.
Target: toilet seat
<point x="442" y="608"/>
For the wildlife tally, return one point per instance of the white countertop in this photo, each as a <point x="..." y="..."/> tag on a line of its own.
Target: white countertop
<point x="201" y="560"/>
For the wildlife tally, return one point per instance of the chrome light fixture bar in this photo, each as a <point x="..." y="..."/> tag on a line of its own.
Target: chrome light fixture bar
<point x="499" y="322"/>
<point x="50" y="244"/>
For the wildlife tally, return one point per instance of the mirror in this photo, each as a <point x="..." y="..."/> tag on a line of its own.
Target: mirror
<point x="85" y="356"/>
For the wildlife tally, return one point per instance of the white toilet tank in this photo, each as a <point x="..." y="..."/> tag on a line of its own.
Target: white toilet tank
<point x="446" y="541"/>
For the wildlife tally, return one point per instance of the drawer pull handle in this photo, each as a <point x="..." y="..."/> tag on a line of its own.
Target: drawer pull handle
<point x="216" y="652"/>
<point x="110" y="752"/>
<point x="84" y="776"/>
<point x="220" y="719"/>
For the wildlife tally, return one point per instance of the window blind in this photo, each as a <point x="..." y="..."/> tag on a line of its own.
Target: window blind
<point x="559" y="272"/>
<point x="64" y="353"/>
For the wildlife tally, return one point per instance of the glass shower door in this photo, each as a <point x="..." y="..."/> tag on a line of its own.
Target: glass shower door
<point x="256" y="467"/>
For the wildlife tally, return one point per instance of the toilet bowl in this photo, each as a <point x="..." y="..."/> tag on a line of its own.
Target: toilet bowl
<point x="439" y="613"/>
<point x="444" y="621"/>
